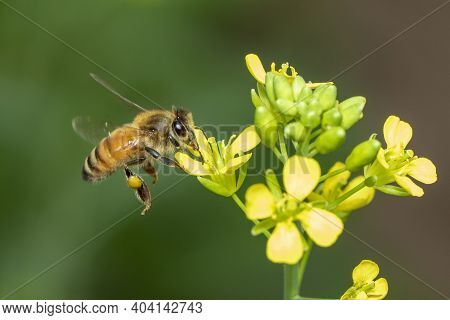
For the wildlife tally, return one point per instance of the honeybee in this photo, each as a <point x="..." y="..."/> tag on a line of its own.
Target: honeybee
<point x="150" y="138"/>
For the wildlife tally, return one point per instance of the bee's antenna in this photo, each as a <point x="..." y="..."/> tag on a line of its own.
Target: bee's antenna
<point x="114" y="92"/>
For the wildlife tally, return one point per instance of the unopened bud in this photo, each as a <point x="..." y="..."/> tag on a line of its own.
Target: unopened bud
<point x="311" y="118"/>
<point x="294" y="131"/>
<point x="282" y="88"/>
<point x="363" y="154"/>
<point x="352" y="111"/>
<point x="298" y="84"/>
<point x="330" y="140"/>
<point x="327" y="97"/>
<point x="267" y="126"/>
<point x="286" y="107"/>
<point x="331" y="118"/>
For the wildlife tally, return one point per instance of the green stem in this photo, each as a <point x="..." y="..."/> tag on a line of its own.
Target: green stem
<point x="305" y="144"/>
<point x="291" y="284"/>
<point x="282" y="144"/>
<point x="312" y="153"/>
<point x="303" y="263"/>
<point x="346" y="195"/>
<point x="315" y="134"/>
<point x="242" y="206"/>
<point x="332" y="174"/>
<point x="277" y="153"/>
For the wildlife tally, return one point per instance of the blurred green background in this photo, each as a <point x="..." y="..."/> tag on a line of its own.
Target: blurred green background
<point x="193" y="244"/>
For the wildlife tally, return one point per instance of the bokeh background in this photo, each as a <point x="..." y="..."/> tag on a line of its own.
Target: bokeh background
<point x="193" y="244"/>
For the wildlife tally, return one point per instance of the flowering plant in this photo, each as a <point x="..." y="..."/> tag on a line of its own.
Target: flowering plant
<point x="297" y="120"/>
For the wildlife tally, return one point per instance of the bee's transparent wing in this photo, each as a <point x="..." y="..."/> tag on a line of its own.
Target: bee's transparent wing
<point x="90" y="129"/>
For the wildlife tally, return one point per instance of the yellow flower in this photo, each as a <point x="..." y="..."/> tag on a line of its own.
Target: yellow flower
<point x="285" y="245"/>
<point x="395" y="163"/>
<point x="220" y="160"/>
<point x="365" y="287"/>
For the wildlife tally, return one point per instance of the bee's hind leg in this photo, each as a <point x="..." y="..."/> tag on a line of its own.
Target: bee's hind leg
<point x="142" y="191"/>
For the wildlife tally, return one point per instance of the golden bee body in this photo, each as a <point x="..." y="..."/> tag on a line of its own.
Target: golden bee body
<point x="126" y="144"/>
<point x="150" y="138"/>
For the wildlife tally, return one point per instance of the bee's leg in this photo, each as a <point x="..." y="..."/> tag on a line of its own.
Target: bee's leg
<point x="164" y="160"/>
<point x="136" y="161"/>
<point x="151" y="170"/>
<point x="142" y="191"/>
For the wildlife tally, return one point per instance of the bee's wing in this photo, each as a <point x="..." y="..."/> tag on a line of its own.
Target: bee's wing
<point x="90" y="129"/>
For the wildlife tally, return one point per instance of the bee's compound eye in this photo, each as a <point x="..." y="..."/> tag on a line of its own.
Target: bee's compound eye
<point x="178" y="128"/>
<point x="134" y="182"/>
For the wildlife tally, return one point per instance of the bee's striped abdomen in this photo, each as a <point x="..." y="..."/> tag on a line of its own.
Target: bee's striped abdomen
<point x="111" y="153"/>
<point x="99" y="164"/>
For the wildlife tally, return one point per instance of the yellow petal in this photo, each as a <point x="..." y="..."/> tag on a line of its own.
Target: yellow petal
<point x="365" y="272"/>
<point x="379" y="291"/>
<point x="285" y="244"/>
<point x="361" y="295"/>
<point x="246" y="141"/>
<point x="330" y="184"/>
<point x="191" y="166"/>
<point x="354" y="294"/>
<point x="204" y="147"/>
<point x="396" y="132"/>
<point x="259" y="202"/>
<point x="423" y="170"/>
<point x="358" y="200"/>
<point x="237" y="162"/>
<point x="322" y="226"/>
<point x="255" y="67"/>
<point x="382" y="159"/>
<point x="407" y="184"/>
<point x="300" y="176"/>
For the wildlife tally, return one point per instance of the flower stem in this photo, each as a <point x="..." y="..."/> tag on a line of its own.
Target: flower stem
<point x="332" y="174"/>
<point x="242" y="206"/>
<point x="303" y="263"/>
<point x="305" y="144"/>
<point x="291" y="284"/>
<point x="277" y="153"/>
<point x="282" y="144"/>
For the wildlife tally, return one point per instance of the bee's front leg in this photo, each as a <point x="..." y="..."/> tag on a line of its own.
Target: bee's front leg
<point x="142" y="191"/>
<point x="164" y="160"/>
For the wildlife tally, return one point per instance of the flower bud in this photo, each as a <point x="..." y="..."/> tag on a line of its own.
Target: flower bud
<point x="327" y="97"/>
<point x="363" y="154"/>
<point x="269" y="86"/>
<point x="318" y="91"/>
<point x="286" y="107"/>
<point x="257" y="102"/>
<point x="330" y="140"/>
<point x="302" y="107"/>
<point x="351" y="110"/>
<point x="294" y="131"/>
<point x="282" y="88"/>
<point x="311" y="118"/>
<point x="261" y="90"/>
<point x="331" y="118"/>
<point x="314" y="104"/>
<point x="298" y="84"/>
<point x="267" y="126"/>
<point x="306" y="92"/>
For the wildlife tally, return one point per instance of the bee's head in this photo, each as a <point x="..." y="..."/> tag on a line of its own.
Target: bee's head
<point x="183" y="127"/>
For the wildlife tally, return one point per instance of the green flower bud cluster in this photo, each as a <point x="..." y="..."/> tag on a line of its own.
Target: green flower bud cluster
<point x="284" y="99"/>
